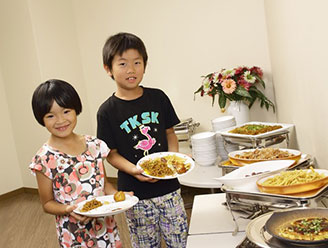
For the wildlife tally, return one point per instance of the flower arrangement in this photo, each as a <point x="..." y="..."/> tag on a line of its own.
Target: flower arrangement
<point x="237" y="84"/>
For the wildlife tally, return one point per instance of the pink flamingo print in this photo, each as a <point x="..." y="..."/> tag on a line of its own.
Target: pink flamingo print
<point x="145" y="144"/>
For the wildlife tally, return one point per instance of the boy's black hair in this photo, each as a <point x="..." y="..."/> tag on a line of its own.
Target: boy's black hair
<point x="54" y="90"/>
<point x="119" y="43"/>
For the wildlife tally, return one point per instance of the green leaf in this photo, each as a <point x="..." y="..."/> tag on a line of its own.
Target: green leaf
<point x="260" y="80"/>
<point x="213" y="99"/>
<point x="262" y="103"/>
<point x="222" y="100"/>
<point x="241" y="91"/>
<point x="199" y="90"/>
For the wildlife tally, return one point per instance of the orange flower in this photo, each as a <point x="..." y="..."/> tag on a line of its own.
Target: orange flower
<point x="229" y="86"/>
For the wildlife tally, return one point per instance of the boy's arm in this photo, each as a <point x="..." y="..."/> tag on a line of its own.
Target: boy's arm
<point x="172" y="140"/>
<point x="122" y="164"/>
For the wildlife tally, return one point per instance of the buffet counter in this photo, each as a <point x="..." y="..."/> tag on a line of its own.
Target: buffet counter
<point x="211" y="223"/>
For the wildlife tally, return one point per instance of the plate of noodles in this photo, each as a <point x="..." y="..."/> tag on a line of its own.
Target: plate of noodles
<point x="105" y="205"/>
<point x="249" y="156"/>
<point x="247" y="175"/>
<point x="293" y="181"/>
<point x="166" y="165"/>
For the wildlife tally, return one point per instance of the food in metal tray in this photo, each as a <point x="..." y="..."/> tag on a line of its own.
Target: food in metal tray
<point x="265" y="154"/>
<point x="165" y="166"/>
<point x="313" y="228"/>
<point x="89" y="205"/>
<point x="254" y="129"/>
<point x="294" y="177"/>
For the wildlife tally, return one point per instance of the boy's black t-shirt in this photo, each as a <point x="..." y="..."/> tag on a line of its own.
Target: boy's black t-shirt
<point x="137" y="128"/>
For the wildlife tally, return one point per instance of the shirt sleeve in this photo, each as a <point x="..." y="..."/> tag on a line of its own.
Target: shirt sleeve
<point x="170" y="114"/>
<point x="104" y="130"/>
<point x="104" y="150"/>
<point x="42" y="163"/>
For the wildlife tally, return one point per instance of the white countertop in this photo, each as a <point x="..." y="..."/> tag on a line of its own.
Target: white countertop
<point x="211" y="223"/>
<point x="210" y="216"/>
<point x="215" y="240"/>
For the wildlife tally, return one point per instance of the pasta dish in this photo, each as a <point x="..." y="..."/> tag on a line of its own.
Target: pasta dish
<point x="254" y="129"/>
<point x="165" y="166"/>
<point x="265" y="154"/>
<point x="286" y="178"/>
<point x="313" y="228"/>
<point x="89" y="205"/>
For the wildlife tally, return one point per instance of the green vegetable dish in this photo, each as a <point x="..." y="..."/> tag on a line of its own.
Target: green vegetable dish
<point x="254" y="129"/>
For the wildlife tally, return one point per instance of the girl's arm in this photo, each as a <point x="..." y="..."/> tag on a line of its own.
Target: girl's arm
<point x="49" y="204"/>
<point x="122" y="164"/>
<point x="172" y="140"/>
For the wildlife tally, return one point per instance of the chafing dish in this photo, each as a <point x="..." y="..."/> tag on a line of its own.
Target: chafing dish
<point x="185" y="129"/>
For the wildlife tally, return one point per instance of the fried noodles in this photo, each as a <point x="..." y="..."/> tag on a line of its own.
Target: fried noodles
<point x="169" y="165"/>
<point x="91" y="205"/>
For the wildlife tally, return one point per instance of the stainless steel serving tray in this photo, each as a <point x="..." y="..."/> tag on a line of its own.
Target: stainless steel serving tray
<point x="267" y="197"/>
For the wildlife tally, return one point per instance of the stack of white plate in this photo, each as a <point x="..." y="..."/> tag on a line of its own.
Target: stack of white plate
<point x="223" y="150"/>
<point x="204" y="149"/>
<point x="221" y="123"/>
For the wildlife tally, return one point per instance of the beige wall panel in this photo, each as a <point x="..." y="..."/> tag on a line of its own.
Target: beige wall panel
<point x="20" y="72"/>
<point x="298" y="48"/>
<point x="10" y="176"/>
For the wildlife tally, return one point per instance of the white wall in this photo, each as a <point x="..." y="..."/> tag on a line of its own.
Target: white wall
<point x="298" y="38"/>
<point x="20" y="74"/>
<point x="10" y="176"/>
<point x="184" y="40"/>
<point x="38" y="42"/>
<point x="43" y="39"/>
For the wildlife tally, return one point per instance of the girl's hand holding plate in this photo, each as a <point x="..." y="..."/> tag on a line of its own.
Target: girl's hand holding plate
<point x="82" y="219"/>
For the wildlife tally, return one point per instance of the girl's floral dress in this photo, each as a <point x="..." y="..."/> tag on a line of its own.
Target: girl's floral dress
<point x="75" y="179"/>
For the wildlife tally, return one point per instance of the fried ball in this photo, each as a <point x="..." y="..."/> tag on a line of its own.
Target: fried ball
<point x="119" y="196"/>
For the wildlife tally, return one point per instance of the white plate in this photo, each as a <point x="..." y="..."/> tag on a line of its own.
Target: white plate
<point x="285" y="127"/>
<point x="188" y="159"/>
<point x="109" y="207"/>
<point x="237" y="178"/>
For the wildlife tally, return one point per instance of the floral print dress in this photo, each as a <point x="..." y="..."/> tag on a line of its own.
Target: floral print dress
<point x="75" y="179"/>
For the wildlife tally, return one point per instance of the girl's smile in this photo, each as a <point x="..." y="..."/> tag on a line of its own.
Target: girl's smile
<point x="60" y="121"/>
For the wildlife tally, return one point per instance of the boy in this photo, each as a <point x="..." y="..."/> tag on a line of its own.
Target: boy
<point x="136" y="121"/>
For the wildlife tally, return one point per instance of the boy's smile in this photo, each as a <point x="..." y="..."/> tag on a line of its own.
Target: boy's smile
<point x="127" y="70"/>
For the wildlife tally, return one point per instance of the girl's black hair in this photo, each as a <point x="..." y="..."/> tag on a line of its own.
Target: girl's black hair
<point x="119" y="43"/>
<point x="54" y="90"/>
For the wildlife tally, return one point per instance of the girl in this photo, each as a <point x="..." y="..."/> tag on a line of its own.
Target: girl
<point x="69" y="169"/>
